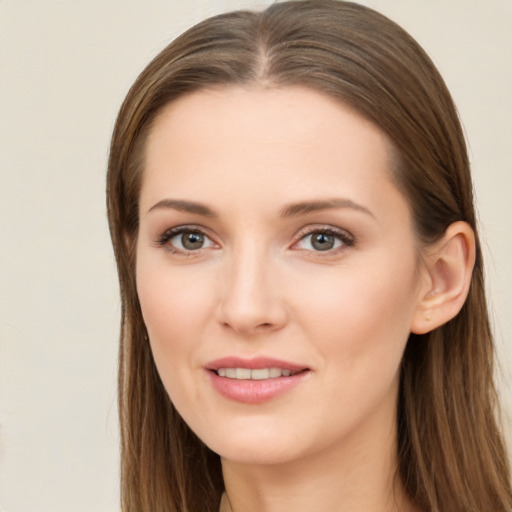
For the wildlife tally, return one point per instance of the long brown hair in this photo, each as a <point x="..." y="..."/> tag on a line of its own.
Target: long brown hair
<point x="450" y="450"/>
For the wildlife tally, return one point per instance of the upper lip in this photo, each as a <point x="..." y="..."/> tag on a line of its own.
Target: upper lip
<point x="255" y="363"/>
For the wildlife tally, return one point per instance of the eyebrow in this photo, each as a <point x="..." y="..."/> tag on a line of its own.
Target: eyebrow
<point x="305" y="207"/>
<point x="290" y="210"/>
<point x="184" y="206"/>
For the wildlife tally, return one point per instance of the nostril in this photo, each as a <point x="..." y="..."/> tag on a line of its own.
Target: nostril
<point x="246" y="315"/>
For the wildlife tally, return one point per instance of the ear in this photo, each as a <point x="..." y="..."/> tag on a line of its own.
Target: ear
<point x="447" y="276"/>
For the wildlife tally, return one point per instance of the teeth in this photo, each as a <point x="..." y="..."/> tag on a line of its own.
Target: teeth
<point x="262" y="374"/>
<point x="276" y="372"/>
<point x="242" y="373"/>
<point x="256" y="374"/>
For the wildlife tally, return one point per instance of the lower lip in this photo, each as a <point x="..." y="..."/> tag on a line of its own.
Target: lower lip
<point x="254" y="391"/>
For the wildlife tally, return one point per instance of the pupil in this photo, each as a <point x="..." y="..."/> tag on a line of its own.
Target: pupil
<point x="192" y="240"/>
<point x="322" y="241"/>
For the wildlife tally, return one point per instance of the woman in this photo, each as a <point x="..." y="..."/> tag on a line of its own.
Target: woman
<point x="304" y="319"/>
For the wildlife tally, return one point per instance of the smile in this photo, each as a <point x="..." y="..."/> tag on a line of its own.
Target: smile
<point x="253" y="374"/>
<point x="255" y="380"/>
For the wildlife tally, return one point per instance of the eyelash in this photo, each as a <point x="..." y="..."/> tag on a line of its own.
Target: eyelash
<point x="169" y="234"/>
<point x="346" y="239"/>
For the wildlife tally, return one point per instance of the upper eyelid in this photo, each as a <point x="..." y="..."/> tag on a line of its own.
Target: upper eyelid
<point x="319" y="228"/>
<point x="184" y="228"/>
<point x="170" y="233"/>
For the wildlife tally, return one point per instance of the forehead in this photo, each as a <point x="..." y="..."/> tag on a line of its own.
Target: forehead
<point x="283" y="114"/>
<point x="244" y="141"/>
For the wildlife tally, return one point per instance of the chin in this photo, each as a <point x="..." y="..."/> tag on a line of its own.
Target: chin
<point x="260" y="445"/>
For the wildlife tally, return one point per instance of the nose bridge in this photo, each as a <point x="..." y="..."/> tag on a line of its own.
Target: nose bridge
<point x="250" y="298"/>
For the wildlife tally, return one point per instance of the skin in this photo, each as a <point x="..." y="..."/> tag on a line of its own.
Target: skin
<point x="259" y="287"/>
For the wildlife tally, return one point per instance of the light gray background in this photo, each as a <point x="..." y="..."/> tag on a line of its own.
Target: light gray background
<point x="64" y="69"/>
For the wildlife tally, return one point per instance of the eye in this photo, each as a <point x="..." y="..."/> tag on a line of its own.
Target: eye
<point x="189" y="241"/>
<point x="185" y="239"/>
<point x="322" y="240"/>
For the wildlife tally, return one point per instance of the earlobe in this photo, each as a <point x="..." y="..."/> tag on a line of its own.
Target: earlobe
<point x="449" y="266"/>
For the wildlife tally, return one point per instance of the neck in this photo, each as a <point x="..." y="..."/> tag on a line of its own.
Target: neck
<point x="360" y="477"/>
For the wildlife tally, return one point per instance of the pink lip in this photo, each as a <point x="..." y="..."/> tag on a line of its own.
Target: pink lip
<point x="254" y="391"/>
<point x="256" y="363"/>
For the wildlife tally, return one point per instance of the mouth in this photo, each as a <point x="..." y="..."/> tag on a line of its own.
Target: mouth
<point x="256" y="373"/>
<point x="254" y="380"/>
<point x="257" y="368"/>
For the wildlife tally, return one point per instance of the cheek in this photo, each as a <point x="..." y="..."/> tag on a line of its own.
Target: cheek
<point x="169" y="309"/>
<point x="176" y="304"/>
<point x="358" y="313"/>
<point x="359" y="322"/>
<point x="171" y="297"/>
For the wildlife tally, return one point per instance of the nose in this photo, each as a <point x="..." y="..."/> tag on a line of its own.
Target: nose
<point x="251" y="296"/>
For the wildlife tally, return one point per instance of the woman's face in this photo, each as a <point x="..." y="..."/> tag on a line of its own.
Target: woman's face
<point x="277" y="272"/>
